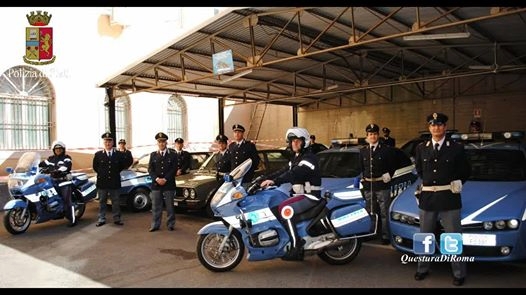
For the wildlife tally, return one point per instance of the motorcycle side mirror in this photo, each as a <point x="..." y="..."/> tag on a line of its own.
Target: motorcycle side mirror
<point x="9" y="170"/>
<point x="327" y="195"/>
<point x="34" y="170"/>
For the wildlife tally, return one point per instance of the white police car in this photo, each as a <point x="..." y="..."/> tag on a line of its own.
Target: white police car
<point x="493" y="201"/>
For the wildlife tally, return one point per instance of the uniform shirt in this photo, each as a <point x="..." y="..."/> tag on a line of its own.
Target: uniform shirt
<point x="163" y="167"/>
<point x="66" y="161"/>
<point x="223" y="161"/>
<point x="317" y="147"/>
<point x="184" y="160"/>
<point x="388" y="141"/>
<point x="108" y="169"/>
<point x="239" y="153"/>
<point x="302" y="168"/>
<point x="128" y="155"/>
<point x="376" y="163"/>
<point x="450" y="163"/>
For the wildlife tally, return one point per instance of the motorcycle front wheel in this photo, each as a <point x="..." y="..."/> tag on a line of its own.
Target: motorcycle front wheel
<point x="15" y="222"/>
<point x="220" y="260"/>
<point x="79" y="210"/>
<point x="342" y="254"/>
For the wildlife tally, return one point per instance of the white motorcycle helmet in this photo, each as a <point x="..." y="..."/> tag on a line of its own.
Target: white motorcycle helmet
<point x="58" y="144"/>
<point x="298" y="132"/>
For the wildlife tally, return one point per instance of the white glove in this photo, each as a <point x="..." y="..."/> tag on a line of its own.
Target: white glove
<point x="62" y="168"/>
<point x="456" y="186"/>
<point x="386" y="177"/>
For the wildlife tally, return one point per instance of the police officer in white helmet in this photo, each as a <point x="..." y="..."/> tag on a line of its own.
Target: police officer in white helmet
<point x="304" y="174"/>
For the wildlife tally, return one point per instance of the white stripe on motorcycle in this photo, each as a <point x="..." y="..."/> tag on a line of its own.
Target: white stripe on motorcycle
<point x="36" y="197"/>
<point x="258" y="216"/>
<point x="348" y="218"/>
<point x="89" y="190"/>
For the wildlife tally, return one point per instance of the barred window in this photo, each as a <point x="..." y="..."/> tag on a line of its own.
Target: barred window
<point x="177" y="117"/>
<point x="122" y="118"/>
<point x="25" y="108"/>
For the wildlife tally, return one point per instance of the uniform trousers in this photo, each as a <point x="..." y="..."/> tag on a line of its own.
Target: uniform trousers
<point x="158" y="196"/>
<point x="115" y="203"/>
<point x="451" y="223"/>
<point x="383" y="198"/>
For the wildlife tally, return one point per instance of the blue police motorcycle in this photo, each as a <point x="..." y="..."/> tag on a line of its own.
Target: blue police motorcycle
<point x="331" y="228"/>
<point x="35" y="196"/>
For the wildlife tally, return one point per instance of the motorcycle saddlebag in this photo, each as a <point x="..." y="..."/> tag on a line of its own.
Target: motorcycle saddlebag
<point x="351" y="220"/>
<point x="88" y="190"/>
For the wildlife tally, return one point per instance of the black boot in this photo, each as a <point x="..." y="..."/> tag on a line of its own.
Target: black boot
<point x="295" y="253"/>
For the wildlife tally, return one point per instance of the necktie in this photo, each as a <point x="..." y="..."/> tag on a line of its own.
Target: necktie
<point x="372" y="148"/>
<point x="162" y="154"/>
<point x="435" y="151"/>
<point x="109" y="154"/>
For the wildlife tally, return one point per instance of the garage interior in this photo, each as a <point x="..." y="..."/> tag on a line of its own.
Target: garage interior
<point x="341" y="68"/>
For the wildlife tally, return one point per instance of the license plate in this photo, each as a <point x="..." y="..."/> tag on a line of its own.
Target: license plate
<point x="479" y="240"/>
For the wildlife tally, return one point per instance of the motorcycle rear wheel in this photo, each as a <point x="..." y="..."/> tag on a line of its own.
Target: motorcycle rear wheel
<point x="15" y="223"/>
<point x="342" y="254"/>
<point x="220" y="261"/>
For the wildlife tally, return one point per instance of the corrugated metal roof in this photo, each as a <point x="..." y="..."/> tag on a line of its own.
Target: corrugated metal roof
<point x="345" y="50"/>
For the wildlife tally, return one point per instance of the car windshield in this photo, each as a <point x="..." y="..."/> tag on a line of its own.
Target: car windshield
<point x="339" y="165"/>
<point x="497" y="165"/>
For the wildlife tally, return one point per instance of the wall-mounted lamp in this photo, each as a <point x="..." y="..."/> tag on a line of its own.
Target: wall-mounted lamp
<point x="437" y="36"/>
<point x="238" y="75"/>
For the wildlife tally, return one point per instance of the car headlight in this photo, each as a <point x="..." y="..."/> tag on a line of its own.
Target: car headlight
<point x="500" y="224"/>
<point x="513" y="223"/>
<point x="186" y="192"/>
<point x="192" y="193"/>
<point x="488" y="225"/>
<point x="396" y="216"/>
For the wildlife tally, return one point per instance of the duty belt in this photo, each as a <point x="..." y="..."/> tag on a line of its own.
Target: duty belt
<point x="374" y="179"/>
<point x="436" y="188"/>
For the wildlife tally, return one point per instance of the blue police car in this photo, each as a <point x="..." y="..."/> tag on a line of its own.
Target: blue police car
<point x="340" y="169"/>
<point x="493" y="201"/>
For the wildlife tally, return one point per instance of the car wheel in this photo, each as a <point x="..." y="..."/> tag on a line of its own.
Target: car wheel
<point x="139" y="200"/>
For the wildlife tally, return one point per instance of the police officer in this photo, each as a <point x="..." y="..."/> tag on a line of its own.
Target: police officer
<point x="162" y="169"/>
<point x="314" y="146"/>
<point x="122" y="148"/>
<point x="378" y="164"/>
<point x="108" y="164"/>
<point x="387" y="139"/>
<point x="303" y="173"/>
<point x="241" y="149"/>
<point x="57" y="160"/>
<point x="184" y="159"/>
<point x="442" y="165"/>
<point x="222" y="157"/>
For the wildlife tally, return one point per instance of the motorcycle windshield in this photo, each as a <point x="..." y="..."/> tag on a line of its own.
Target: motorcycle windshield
<point x="26" y="166"/>
<point x="232" y="180"/>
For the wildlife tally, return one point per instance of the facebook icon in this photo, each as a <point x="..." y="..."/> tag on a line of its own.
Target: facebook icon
<point x="424" y="243"/>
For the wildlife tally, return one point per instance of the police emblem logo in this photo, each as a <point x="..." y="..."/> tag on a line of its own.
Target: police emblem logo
<point x="435" y="116"/>
<point x="39" y="39"/>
